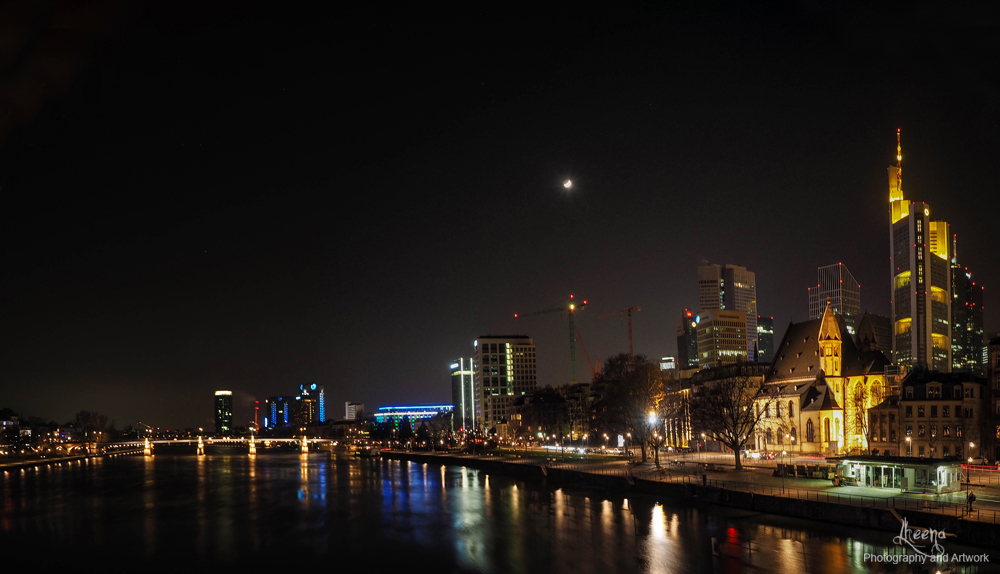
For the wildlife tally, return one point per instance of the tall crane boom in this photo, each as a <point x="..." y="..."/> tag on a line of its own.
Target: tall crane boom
<point x="571" y="307"/>
<point x="628" y="312"/>
<point x="595" y="369"/>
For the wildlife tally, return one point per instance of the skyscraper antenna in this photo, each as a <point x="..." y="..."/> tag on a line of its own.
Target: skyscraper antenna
<point x="899" y="165"/>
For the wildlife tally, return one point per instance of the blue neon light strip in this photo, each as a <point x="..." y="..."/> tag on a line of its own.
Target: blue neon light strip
<point x="417" y="407"/>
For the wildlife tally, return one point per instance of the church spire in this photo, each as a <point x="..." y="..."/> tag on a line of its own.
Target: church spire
<point x="829" y="328"/>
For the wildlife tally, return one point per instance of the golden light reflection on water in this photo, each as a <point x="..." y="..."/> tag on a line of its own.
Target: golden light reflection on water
<point x="254" y="505"/>
<point x="660" y="548"/>
<point x="201" y="513"/>
<point x="515" y="503"/>
<point x="149" y="506"/>
<point x="559" y="522"/>
<point x="790" y="555"/>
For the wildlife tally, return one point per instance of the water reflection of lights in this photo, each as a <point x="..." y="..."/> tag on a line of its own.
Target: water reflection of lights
<point x="149" y="506"/>
<point x="661" y="544"/>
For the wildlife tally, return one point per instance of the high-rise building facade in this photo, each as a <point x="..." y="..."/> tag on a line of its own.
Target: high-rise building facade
<point x="353" y="411"/>
<point x="277" y="412"/>
<point x="874" y="333"/>
<point x="503" y="367"/>
<point x="223" y="412"/>
<point x="687" y="340"/>
<point x="991" y="434"/>
<point x="463" y="394"/>
<point x="921" y="280"/>
<point x="731" y="288"/>
<point x="722" y="338"/>
<point x="310" y="405"/>
<point x="968" y="341"/>
<point x="765" y="339"/>
<point x="834" y="283"/>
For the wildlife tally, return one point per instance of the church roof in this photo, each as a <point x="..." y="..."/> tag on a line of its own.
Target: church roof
<point x="798" y="355"/>
<point x="858" y="363"/>
<point x="820" y="398"/>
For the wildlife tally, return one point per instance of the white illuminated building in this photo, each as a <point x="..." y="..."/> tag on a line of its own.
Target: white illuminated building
<point x="504" y="367"/>
<point x="722" y="337"/>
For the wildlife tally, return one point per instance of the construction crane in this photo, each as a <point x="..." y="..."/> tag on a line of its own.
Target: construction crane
<point x="571" y="307"/>
<point x="628" y="312"/>
<point x="594" y="368"/>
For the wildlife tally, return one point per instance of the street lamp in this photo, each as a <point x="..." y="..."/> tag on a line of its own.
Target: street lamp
<point x="909" y="447"/>
<point x="783" y="453"/>
<point x="699" y="446"/>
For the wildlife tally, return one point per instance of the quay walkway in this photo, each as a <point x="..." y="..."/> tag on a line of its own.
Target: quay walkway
<point x="758" y="479"/>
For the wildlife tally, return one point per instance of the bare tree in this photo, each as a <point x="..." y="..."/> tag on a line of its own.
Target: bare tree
<point x="861" y="400"/>
<point x="730" y="408"/>
<point x="634" y="390"/>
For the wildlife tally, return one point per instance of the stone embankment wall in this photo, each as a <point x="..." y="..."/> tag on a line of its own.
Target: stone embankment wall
<point x="967" y="532"/>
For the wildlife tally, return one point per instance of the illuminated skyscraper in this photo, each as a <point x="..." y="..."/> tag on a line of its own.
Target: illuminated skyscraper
<point x="463" y="394"/>
<point x="310" y="404"/>
<point x="968" y="342"/>
<point x="687" y="340"/>
<point x="732" y="288"/>
<point x="921" y="280"/>
<point x="277" y="412"/>
<point x="722" y="338"/>
<point x="504" y="367"/>
<point x="834" y="283"/>
<point x="765" y="339"/>
<point x="223" y="412"/>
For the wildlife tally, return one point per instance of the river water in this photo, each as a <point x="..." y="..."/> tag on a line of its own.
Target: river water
<point x="181" y="512"/>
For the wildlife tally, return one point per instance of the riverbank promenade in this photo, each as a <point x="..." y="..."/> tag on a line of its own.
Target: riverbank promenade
<point x="758" y="477"/>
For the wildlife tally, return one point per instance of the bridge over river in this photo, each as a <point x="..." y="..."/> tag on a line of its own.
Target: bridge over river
<point x="199" y="445"/>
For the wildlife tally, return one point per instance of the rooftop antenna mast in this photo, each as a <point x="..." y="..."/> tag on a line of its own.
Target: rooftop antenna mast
<point x="899" y="166"/>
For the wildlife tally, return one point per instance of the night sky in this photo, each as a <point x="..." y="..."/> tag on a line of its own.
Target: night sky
<point x="236" y="198"/>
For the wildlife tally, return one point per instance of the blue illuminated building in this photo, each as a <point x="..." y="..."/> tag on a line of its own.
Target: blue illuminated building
<point x="395" y="415"/>
<point x="276" y="411"/>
